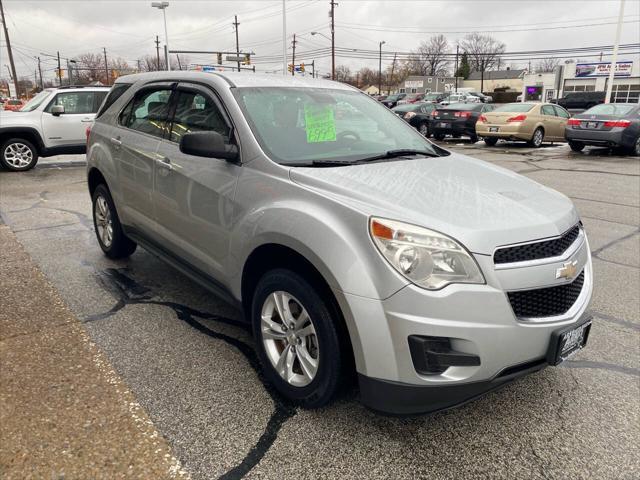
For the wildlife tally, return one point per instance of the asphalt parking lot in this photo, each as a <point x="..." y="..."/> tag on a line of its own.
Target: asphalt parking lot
<point x="193" y="371"/>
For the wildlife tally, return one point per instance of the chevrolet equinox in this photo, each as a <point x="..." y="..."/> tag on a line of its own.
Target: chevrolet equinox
<point x="354" y="246"/>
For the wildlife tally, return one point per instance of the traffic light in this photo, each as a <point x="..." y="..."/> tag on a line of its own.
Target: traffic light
<point x="291" y="67"/>
<point x="219" y="59"/>
<point x="247" y="59"/>
<point x="302" y="67"/>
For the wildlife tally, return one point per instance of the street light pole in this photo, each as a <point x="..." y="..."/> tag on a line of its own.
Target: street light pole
<point x="380" y="69"/>
<point x="333" y="39"/>
<point x="284" y="38"/>
<point x="614" y="57"/>
<point x="163" y="6"/>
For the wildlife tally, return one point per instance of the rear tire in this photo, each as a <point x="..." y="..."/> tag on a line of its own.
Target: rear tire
<point x="537" y="138"/>
<point x="18" y="155"/>
<point x="301" y="355"/>
<point x="473" y="138"/>
<point x="113" y="242"/>
<point x="424" y="130"/>
<point x="635" y="150"/>
<point x="439" y="136"/>
<point x="490" y="141"/>
<point x="576" y="146"/>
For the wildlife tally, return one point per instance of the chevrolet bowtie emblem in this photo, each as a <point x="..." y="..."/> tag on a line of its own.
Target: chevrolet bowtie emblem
<point x="568" y="270"/>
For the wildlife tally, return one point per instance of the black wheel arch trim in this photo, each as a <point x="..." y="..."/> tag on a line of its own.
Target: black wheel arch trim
<point x="16" y="131"/>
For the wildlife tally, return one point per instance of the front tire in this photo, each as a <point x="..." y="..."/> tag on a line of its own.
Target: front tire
<point x="113" y="242"/>
<point x="297" y="339"/>
<point x="18" y="155"/>
<point x="537" y="138"/>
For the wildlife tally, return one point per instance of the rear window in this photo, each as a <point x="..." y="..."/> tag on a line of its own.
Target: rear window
<point x="114" y="94"/>
<point x="514" y="107"/>
<point x="407" y="107"/>
<point x="611" y="109"/>
<point x="462" y="106"/>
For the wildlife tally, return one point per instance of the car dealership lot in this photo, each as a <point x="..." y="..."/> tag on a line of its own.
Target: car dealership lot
<point x="195" y="374"/>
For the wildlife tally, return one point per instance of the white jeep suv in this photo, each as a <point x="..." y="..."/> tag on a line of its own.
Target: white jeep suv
<point x="53" y="122"/>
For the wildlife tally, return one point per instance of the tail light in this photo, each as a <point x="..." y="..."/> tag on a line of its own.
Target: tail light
<point x="435" y="113"/>
<point x="517" y="118"/>
<point x="462" y="114"/>
<point x="87" y="132"/>
<point x="573" y="121"/>
<point x="617" y="123"/>
<point x="483" y="119"/>
<point x="409" y="115"/>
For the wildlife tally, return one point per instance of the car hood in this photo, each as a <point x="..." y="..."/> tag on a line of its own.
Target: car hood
<point x="481" y="205"/>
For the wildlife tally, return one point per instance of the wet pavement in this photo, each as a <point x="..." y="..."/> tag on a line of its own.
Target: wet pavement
<point x="193" y="370"/>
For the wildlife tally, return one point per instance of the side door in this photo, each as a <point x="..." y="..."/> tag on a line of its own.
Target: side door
<point x="69" y="128"/>
<point x="553" y="126"/>
<point x="564" y="116"/>
<point x="194" y="195"/>
<point x="134" y="144"/>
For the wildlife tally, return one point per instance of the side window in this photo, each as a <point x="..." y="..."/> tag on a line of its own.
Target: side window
<point x="149" y="112"/>
<point x="98" y="98"/>
<point x="487" y="108"/>
<point x="548" y="110"/>
<point x="114" y="94"/>
<point x="74" y="102"/>
<point x="561" y="112"/>
<point x="196" y="113"/>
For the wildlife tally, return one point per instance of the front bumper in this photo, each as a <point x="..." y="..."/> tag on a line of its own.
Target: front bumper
<point x="478" y="320"/>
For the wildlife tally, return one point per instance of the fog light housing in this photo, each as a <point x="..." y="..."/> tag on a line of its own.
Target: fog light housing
<point x="433" y="355"/>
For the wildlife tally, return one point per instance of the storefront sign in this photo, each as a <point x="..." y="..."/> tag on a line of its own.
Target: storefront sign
<point x="414" y="83"/>
<point x="602" y="69"/>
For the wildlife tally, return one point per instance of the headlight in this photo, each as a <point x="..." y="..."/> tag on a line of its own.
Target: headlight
<point x="429" y="259"/>
<point x="409" y="115"/>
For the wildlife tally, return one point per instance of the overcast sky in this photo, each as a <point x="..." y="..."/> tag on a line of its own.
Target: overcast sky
<point x="127" y="28"/>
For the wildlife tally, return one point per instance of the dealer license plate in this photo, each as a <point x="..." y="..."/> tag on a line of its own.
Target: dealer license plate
<point x="565" y="343"/>
<point x="494" y="129"/>
<point x="592" y="124"/>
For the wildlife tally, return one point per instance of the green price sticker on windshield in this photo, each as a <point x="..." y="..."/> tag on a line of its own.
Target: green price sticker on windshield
<point x="319" y="123"/>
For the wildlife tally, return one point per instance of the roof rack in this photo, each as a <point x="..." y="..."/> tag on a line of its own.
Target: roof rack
<point x="65" y="87"/>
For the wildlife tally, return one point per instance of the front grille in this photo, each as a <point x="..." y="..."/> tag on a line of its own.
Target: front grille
<point x="537" y="250"/>
<point x="546" y="302"/>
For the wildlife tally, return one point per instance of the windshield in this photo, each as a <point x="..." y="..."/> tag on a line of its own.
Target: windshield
<point x="432" y="96"/>
<point x="514" y="107"/>
<point x="36" y="101"/>
<point x="302" y="125"/>
<point x="611" y="109"/>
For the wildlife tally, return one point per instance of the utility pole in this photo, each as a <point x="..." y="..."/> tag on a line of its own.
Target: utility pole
<point x="68" y="72"/>
<point x="393" y="67"/>
<point x="313" y="69"/>
<point x="455" y="72"/>
<point x="235" y="24"/>
<point x="138" y="65"/>
<point x="284" y="38"/>
<point x="293" y="59"/>
<point x="380" y="70"/>
<point x="59" y="71"/>
<point x="40" y="71"/>
<point x="157" y="53"/>
<point x="10" y="52"/>
<point x="106" y="65"/>
<point x="179" y="64"/>
<point x="333" y="39"/>
<point x="614" y="56"/>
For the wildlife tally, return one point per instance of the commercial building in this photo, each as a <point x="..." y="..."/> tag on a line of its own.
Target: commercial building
<point x="509" y="80"/>
<point x="426" y="84"/>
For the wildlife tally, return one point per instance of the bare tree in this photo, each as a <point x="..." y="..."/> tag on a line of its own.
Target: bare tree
<point x="430" y="58"/>
<point x="90" y="67"/>
<point x="367" y="76"/>
<point x="343" y="74"/>
<point x="148" y="63"/>
<point x="547" y="65"/>
<point x="483" y="51"/>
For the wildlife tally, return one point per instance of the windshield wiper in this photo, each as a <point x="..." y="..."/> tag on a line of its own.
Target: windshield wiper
<point x="401" y="152"/>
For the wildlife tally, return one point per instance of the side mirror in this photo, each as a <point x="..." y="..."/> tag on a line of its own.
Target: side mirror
<point x="57" y="110"/>
<point x="208" y="144"/>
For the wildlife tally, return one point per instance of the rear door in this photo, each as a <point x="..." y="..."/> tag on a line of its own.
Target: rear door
<point x="553" y="125"/>
<point x="141" y="125"/>
<point x="194" y="195"/>
<point x="69" y="128"/>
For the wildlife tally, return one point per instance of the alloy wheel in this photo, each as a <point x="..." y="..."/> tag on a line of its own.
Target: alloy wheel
<point x="289" y="338"/>
<point x="104" y="222"/>
<point x="18" y="155"/>
<point x="538" y="137"/>
<point x="637" y="147"/>
<point x="423" y="129"/>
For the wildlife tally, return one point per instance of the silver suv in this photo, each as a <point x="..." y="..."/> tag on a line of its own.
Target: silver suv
<point x="353" y="245"/>
<point x="54" y="122"/>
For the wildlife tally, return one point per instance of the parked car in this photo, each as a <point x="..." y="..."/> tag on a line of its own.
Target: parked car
<point x="458" y="119"/>
<point x="392" y="100"/>
<point x="411" y="98"/>
<point x="614" y="125"/>
<point x="460" y="98"/>
<point x="581" y="99"/>
<point x="357" y="249"/>
<point x="483" y="98"/>
<point x="531" y="122"/>
<point x="381" y="98"/>
<point x="418" y="115"/>
<point x="13" y="105"/>
<point x="54" y="122"/>
<point x="435" y="97"/>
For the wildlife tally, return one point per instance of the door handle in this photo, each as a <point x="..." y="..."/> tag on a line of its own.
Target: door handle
<point x="86" y="120"/>
<point x="116" y="141"/>
<point x="164" y="163"/>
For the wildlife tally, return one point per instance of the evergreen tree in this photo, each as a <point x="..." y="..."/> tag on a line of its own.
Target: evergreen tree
<point x="464" y="69"/>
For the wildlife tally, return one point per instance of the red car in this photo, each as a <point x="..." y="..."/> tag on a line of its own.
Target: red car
<point x="13" y="105"/>
<point x="412" y="98"/>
